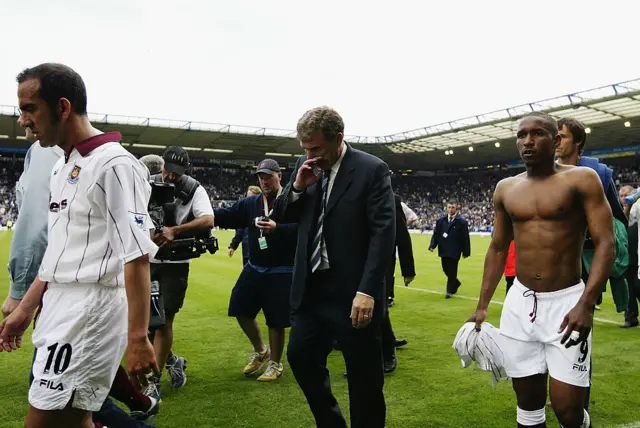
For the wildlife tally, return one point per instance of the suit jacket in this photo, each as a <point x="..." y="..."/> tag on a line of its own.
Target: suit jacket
<point x="457" y="241"/>
<point x="403" y="242"/>
<point x="358" y="227"/>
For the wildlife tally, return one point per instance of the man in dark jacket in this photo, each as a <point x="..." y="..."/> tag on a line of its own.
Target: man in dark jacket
<point x="451" y="236"/>
<point x="408" y="269"/>
<point x="569" y="152"/>
<point x="265" y="281"/>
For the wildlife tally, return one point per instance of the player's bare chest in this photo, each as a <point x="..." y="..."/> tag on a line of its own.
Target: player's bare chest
<point x="552" y="200"/>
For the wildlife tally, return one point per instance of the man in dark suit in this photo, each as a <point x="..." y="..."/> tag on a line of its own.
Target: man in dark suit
<point x="408" y="270"/>
<point x="343" y="203"/>
<point x="451" y="236"/>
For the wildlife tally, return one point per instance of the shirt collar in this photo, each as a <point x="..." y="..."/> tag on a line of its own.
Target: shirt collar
<point x="336" y="166"/>
<point x="87" y="146"/>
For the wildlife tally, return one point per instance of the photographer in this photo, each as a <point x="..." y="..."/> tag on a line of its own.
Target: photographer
<point x="265" y="281"/>
<point x="191" y="215"/>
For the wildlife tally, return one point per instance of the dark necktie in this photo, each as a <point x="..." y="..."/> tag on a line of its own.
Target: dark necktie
<point x="316" y="254"/>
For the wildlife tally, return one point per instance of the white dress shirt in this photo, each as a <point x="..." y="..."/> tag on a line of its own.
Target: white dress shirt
<point x="409" y="214"/>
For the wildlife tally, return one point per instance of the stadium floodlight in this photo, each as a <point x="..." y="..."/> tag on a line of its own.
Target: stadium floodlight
<point x="497" y="144"/>
<point x="148" y="146"/>
<point x="21" y="137"/>
<point x="284" y="155"/>
<point x="470" y="148"/>
<point x="218" y="150"/>
<point x="587" y="130"/>
<point x="3" y="137"/>
<point x="627" y="124"/>
<point x="193" y="149"/>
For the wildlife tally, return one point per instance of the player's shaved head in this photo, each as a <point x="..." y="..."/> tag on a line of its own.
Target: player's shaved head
<point x="548" y="122"/>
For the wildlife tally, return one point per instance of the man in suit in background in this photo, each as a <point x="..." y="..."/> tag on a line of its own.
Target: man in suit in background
<point x="343" y="203"/>
<point x="451" y="236"/>
<point x="408" y="270"/>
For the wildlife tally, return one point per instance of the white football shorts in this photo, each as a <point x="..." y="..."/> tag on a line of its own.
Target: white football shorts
<point x="80" y="338"/>
<point x="529" y="325"/>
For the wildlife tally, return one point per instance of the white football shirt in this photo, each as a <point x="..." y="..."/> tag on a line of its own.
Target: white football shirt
<point x="484" y="347"/>
<point x="409" y="214"/>
<point x="98" y="219"/>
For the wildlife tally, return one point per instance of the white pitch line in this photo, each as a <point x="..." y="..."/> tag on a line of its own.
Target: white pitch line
<point x="475" y="299"/>
<point x="629" y="425"/>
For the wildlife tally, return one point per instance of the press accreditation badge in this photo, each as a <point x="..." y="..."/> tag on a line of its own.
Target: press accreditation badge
<point x="262" y="241"/>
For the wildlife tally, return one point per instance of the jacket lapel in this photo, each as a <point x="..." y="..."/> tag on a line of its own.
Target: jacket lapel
<point x="452" y="222"/>
<point x="342" y="180"/>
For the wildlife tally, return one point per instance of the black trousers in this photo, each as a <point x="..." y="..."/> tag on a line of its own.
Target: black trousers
<point x="388" y="337"/>
<point x="390" y="278"/>
<point x="450" y="268"/>
<point x="323" y="316"/>
<point x="631" y="314"/>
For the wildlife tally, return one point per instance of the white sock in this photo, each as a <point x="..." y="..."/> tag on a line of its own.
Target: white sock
<point x="586" y="422"/>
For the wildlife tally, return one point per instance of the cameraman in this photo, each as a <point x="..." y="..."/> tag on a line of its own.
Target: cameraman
<point x="193" y="215"/>
<point x="265" y="281"/>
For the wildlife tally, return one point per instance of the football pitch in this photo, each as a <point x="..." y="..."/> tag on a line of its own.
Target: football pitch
<point x="429" y="388"/>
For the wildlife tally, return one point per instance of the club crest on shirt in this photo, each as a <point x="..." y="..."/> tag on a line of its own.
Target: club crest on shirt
<point x="139" y="220"/>
<point x="74" y="175"/>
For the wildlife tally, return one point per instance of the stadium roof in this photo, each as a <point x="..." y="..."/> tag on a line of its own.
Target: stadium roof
<point x="485" y="138"/>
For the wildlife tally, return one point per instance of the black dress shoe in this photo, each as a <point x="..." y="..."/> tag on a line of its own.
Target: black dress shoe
<point x="401" y="343"/>
<point x="629" y="324"/>
<point x="448" y="296"/>
<point x="391" y="365"/>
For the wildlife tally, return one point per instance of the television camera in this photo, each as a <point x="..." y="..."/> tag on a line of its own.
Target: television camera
<point x="162" y="208"/>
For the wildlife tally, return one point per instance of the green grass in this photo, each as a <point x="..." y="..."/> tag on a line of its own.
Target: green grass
<point x="429" y="389"/>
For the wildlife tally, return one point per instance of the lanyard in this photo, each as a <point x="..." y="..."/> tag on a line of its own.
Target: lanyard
<point x="267" y="212"/>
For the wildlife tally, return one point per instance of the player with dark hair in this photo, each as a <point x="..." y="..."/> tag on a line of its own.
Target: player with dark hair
<point x="94" y="277"/>
<point x="547" y="316"/>
<point x="573" y="137"/>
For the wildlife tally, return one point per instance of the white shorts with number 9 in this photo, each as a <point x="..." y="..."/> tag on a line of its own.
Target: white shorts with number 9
<point x="80" y="338"/>
<point x="529" y="327"/>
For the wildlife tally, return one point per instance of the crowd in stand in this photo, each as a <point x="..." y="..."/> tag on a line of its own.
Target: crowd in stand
<point x="426" y="196"/>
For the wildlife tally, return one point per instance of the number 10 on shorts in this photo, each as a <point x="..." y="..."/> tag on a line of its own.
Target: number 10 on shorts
<point x="61" y="356"/>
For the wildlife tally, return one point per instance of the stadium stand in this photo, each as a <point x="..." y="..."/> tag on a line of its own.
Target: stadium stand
<point x="430" y="165"/>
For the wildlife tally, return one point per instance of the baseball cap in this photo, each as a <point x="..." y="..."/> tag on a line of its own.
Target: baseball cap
<point x="176" y="160"/>
<point x="268" y="166"/>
